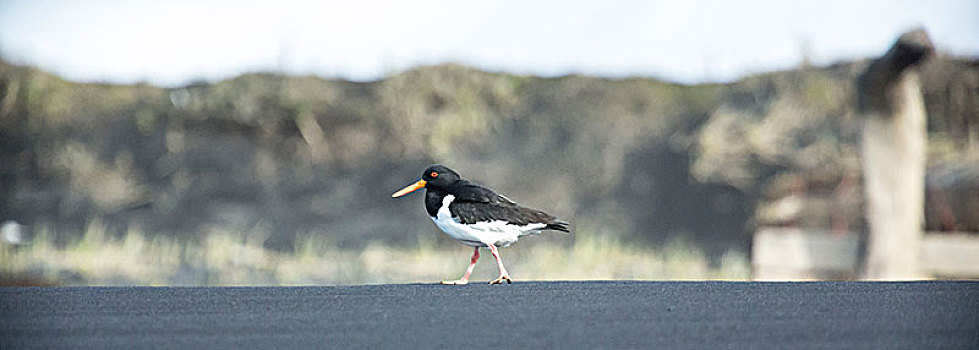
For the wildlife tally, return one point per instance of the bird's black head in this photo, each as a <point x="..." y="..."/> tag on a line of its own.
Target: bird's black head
<point x="439" y="176"/>
<point x="434" y="177"/>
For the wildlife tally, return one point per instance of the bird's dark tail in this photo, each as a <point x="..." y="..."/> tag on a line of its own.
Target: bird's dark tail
<point x="558" y="225"/>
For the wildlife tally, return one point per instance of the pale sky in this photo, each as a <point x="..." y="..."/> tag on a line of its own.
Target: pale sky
<point x="174" y="42"/>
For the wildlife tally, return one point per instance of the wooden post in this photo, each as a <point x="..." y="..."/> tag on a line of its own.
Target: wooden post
<point x="893" y="145"/>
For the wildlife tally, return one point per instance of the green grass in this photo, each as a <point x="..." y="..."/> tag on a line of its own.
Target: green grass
<point x="229" y="258"/>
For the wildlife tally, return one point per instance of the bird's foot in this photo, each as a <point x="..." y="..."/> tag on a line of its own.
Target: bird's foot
<point x="458" y="282"/>
<point x="499" y="280"/>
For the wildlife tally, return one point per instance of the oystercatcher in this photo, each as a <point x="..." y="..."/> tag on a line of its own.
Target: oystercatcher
<point x="477" y="216"/>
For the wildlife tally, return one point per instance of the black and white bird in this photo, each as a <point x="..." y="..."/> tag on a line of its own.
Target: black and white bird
<point x="477" y="216"/>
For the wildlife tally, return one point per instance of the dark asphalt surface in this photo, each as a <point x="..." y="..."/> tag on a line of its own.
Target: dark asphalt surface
<point x="667" y="315"/>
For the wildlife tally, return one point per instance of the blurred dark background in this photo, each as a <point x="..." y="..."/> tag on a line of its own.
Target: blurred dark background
<point x="637" y="158"/>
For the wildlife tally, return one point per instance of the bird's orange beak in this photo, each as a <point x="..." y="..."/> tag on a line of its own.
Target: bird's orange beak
<point x="409" y="189"/>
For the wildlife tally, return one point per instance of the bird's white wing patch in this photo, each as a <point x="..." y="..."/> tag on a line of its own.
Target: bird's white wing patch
<point x="503" y="226"/>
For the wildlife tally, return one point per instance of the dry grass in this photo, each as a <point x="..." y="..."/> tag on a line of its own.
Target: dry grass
<point x="229" y="258"/>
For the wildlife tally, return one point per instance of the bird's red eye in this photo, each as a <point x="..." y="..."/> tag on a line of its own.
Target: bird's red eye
<point x="434" y="174"/>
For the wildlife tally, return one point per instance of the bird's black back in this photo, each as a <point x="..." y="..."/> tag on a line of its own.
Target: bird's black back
<point x="474" y="203"/>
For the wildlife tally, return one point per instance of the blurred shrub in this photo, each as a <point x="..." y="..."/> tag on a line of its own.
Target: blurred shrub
<point x="651" y="161"/>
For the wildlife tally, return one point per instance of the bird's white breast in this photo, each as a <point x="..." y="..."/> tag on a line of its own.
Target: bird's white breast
<point x="483" y="233"/>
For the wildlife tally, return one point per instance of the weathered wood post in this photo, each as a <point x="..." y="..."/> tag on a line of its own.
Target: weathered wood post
<point x="893" y="145"/>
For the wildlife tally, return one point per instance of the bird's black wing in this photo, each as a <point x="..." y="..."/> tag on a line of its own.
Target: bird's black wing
<point x="474" y="203"/>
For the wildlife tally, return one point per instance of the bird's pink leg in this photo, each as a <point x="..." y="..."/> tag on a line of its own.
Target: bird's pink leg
<point x="503" y="274"/>
<point x="469" y="271"/>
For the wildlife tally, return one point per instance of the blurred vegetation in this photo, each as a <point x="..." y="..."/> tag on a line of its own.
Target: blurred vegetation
<point x="298" y="170"/>
<point x="230" y="258"/>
